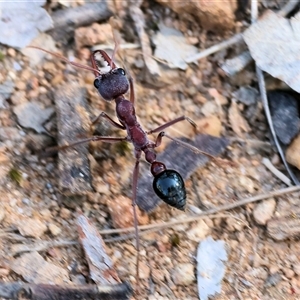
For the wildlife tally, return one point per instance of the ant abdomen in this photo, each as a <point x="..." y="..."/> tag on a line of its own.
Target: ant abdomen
<point x="113" y="84"/>
<point x="169" y="187"/>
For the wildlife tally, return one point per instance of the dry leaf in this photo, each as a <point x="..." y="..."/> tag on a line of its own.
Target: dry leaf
<point x="172" y="46"/>
<point x="274" y="43"/>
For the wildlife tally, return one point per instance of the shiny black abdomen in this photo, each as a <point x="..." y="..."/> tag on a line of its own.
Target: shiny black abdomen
<point x="169" y="186"/>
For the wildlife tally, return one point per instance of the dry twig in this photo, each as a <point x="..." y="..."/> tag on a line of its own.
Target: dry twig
<point x="267" y="163"/>
<point x="215" y="210"/>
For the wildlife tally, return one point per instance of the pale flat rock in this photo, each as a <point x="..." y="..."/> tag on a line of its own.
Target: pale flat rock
<point x="172" y="47"/>
<point x="198" y="232"/>
<point x="32" y="115"/>
<point x="211" y="258"/>
<point x="237" y="121"/>
<point x="264" y="211"/>
<point x="210" y="125"/>
<point x="22" y="21"/>
<point x="32" y="227"/>
<point x="35" y="269"/>
<point x="6" y="89"/>
<point x="183" y="274"/>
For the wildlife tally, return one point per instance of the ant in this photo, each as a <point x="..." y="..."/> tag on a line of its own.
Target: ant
<point x="168" y="184"/>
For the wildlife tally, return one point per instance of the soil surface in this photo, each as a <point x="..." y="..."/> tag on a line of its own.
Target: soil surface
<point x="35" y="207"/>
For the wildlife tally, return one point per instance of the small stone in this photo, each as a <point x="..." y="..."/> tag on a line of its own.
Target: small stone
<point x="292" y="152"/>
<point x="237" y="121"/>
<point x="4" y="272"/>
<point x="35" y="269"/>
<point x="117" y="255"/>
<point x="10" y="133"/>
<point x="183" y="274"/>
<point x="284" y="110"/>
<point x="21" y="85"/>
<point x="65" y="213"/>
<point x="273" y="269"/>
<point x="92" y="35"/>
<point x="210" y="125"/>
<point x="144" y="271"/>
<point x="4" y="158"/>
<point x="199" y="99"/>
<point x="6" y="89"/>
<point x="198" y="232"/>
<point x="246" y="95"/>
<point x="32" y="115"/>
<point x="11" y="52"/>
<point x="32" y="227"/>
<point x="158" y="276"/>
<point x="54" y="229"/>
<point x="210" y="108"/>
<point x="2" y="213"/>
<point x="78" y="279"/>
<point x="273" y="279"/>
<point x="247" y="184"/>
<point x="295" y="267"/>
<point x="264" y="211"/>
<point x="122" y="213"/>
<point x="220" y="99"/>
<point x="289" y="273"/>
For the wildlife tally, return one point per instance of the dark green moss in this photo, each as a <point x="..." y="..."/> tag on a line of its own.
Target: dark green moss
<point x="122" y="148"/>
<point x="175" y="240"/>
<point x="2" y="56"/>
<point x="15" y="175"/>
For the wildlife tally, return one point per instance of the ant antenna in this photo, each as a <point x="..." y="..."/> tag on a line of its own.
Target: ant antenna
<point x="114" y="25"/>
<point x="117" y="45"/>
<point x="78" y="65"/>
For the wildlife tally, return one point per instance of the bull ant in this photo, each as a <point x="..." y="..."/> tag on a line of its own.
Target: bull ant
<point x="113" y="85"/>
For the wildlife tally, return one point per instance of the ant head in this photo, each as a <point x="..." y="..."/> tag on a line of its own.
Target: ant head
<point x="112" y="84"/>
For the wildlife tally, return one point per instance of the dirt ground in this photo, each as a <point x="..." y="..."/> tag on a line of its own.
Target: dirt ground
<point x="33" y="209"/>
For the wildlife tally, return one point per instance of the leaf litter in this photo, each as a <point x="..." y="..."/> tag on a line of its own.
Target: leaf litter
<point x="172" y="47"/>
<point x="207" y="192"/>
<point x="274" y="43"/>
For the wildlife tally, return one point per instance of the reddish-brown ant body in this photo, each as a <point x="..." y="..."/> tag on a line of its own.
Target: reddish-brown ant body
<point x="167" y="184"/>
<point x="113" y="85"/>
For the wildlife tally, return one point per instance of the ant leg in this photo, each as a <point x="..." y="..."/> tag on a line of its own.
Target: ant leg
<point x="107" y="117"/>
<point x="134" y="196"/>
<point x="184" y="144"/>
<point x="170" y="123"/>
<point x="131" y="90"/>
<point x="94" y="138"/>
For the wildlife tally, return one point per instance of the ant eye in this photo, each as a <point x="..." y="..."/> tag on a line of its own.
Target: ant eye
<point x="97" y="83"/>
<point x="121" y="71"/>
